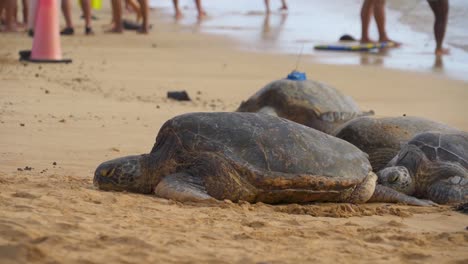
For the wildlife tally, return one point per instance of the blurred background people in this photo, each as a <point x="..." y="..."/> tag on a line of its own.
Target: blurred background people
<point x="283" y="7"/>
<point x="178" y="13"/>
<point x="117" y="22"/>
<point x="66" y="9"/>
<point x="441" y="10"/>
<point x="376" y="8"/>
<point x="8" y="15"/>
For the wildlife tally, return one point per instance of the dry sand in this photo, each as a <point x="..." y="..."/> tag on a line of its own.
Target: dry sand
<point x="61" y="121"/>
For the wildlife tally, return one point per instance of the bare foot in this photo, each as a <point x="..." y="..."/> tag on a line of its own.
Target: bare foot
<point x="202" y="15"/>
<point x="391" y="42"/>
<point x="21" y="26"/>
<point x="178" y="15"/>
<point x="13" y="29"/>
<point x="114" y="30"/>
<point x="367" y="41"/>
<point x="283" y="8"/>
<point x="442" y="51"/>
<point x="142" y="30"/>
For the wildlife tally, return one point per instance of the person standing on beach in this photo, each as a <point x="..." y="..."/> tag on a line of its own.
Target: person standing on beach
<point x="117" y="16"/>
<point x="178" y="13"/>
<point x="283" y="7"/>
<point x="440" y="9"/>
<point x="377" y="8"/>
<point x="10" y="19"/>
<point x="24" y="13"/>
<point x="66" y="9"/>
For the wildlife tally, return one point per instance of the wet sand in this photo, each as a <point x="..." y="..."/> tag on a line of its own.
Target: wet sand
<point x="58" y="122"/>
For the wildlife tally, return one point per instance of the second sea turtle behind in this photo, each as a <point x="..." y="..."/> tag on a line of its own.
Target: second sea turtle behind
<point x="307" y="102"/>
<point x="432" y="165"/>
<point x="382" y="138"/>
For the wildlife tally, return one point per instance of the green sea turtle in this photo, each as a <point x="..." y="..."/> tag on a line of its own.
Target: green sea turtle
<point x="382" y="138"/>
<point x="307" y="102"/>
<point x="432" y="165"/>
<point x="250" y="157"/>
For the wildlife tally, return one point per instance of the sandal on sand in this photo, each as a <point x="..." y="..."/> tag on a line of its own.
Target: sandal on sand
<point x="67" y="31"/>
<point x="130" y="25"/>
<point x="89" y="31"/>
<point x="93" y="17"/>
<point x="114" y="30"/>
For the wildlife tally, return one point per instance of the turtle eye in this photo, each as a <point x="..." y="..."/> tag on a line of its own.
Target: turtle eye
<point x="394" y="178"/>
<point x="103" y="172"/>
<point x="106" y="172"/>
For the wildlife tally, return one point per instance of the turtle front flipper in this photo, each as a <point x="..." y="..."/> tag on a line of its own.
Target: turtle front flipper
<point x="451" y="190"/>
<point x="182" y="187"/>
<point x="383" y="194"/>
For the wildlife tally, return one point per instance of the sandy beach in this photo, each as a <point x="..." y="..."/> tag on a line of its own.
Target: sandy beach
<point x="58" y="122"/>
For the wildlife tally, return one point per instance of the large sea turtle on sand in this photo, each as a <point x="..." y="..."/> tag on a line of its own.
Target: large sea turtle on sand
<point x="382" y="138"/>
<point x="247" y="156"/>
<point x="306" y="102"/>
<point x="432" y="165"/>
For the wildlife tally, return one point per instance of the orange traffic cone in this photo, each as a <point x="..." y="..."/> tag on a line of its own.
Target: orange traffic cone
<point x="46" y="43"/>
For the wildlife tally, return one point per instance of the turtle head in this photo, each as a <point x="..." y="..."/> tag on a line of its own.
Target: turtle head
<point x="397" y="178"/>
<point x="123" y="174"/>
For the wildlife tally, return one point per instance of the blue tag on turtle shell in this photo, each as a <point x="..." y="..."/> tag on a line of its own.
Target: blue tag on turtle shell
<point x="297" y="76"/>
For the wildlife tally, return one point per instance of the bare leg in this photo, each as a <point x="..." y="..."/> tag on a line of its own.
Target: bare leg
<point x="1" y="13"/>
<point x="178" y="13"/>
<point x="25" y="11"/>
<point x="380" y="19"/>
<point x="116" y="16"/>
<point x="267" y="6"/>
<point x="86" y="7"/>
<point x="10" y="20"/>
<point x="136" y="8"/>
<point x="144" y="12"/>
<point x="440" y="9"/>
<point x="127" y="5"/>
<point x="32" y="16"/>
<point x="201" y="12"/>
<point x="66" y="9"/>
<point x="366" y="13"/>
<point x="15" y="14"/>
<point x="284" y="5"/>
<point x="2" y="18"/>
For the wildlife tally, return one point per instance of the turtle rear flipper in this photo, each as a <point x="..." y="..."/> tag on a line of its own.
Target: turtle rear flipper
<point x="182" y="187"/>
<point x="383" y="194"/>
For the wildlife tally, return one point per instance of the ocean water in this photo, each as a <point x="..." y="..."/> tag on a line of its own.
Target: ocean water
<point x="311" y="22"/>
